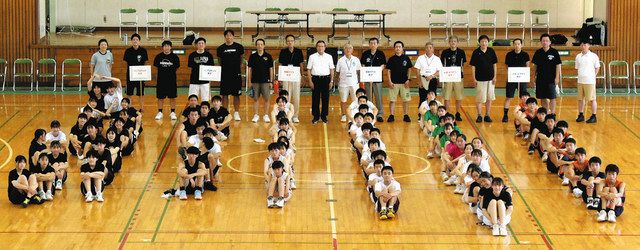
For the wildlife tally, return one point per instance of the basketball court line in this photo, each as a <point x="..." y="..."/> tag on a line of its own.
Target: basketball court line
<point x="329" y="185"/>
<point x="624" y="125"/>
<point x="544" y="234"/>
<point x="20" y="129"/>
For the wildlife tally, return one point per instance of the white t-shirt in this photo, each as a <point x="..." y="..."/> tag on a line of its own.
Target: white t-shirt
<point x="381" y="186"/>
<point x="356" y="129"/>
<point x="348" y="71"/>
<point x="115" y="98"/>
<point x="375" y="176"/>
<point x="353" y="107"/>
<point x="194" y="140"/>
<point x="320" y="65"/>
<point x="586" y="65"/>
<point x="61" y="137"/>
<point x="484" y="166"/>
<point x="428" y="65"/>
<point x="216" y="149"/>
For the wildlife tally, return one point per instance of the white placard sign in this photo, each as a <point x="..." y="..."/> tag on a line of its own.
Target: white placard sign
<point x="288" y="73"/>
<point x="140" y="73"/>
<point x="427" y="71"/>
<point x="451" y="74"/>
<point x="210" y="73"/>
<point x="519" y="74"/>
<point x="371" y="74"/>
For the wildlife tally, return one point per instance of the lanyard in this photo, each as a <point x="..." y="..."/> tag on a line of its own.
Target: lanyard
<point x="348" y="64"/>
<point x="428" y="60"/>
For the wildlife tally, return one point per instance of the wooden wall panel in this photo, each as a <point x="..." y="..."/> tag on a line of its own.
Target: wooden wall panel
<point x="624" y="33"/>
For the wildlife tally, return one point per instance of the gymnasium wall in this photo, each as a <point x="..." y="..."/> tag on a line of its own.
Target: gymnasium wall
<point x="413" y="13"/>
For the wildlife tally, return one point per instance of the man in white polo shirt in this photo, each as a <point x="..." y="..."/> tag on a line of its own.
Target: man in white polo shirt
<point x="429" y="66"/>
<point x="347" y="68"/>
<point x="588" y="65"/>
<point x="320" y="75"/>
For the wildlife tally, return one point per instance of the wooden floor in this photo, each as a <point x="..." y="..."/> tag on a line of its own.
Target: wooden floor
<point x="134" y="216"/>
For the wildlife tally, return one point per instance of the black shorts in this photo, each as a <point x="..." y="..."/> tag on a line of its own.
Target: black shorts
<point x="93" y="188"/>
<point x="231" y="87"/>
<point x="546" y="91"/>
<point x="131" y="86"/>
<point x="16" y="196"/>
<point x="618" y="210"/>
<point x="166" y="91"/>
<point x="395" y="207"/>
<point x="513" y="86"/>
<point x="102" y="85"/>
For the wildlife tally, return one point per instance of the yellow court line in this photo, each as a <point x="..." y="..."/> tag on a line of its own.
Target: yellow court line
<point x="10" y="153"/>
<point x="332" y="219"/>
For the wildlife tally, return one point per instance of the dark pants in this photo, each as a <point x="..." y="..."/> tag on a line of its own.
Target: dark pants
<point x="320" y="90"/>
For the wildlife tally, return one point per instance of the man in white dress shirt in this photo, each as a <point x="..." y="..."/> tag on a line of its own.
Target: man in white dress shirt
<point x="320" y="75"/>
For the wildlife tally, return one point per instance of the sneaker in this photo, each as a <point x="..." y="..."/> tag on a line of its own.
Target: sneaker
<point x="596" y="203"/>
<point x="49" y="195"/>
<point x="496" y="230"/>
<point x="255" y="119"/>
<point x="315" y="120"/>
<point x="580" y="118"/>
<point x="270" y="203"/>
<point x="458" y="117"/>
<point x="343" y="118"/>
<point x="183" y="194"/>
<point x="545" y="156"/>
<point x="383" y="214"/>
<point x="612" y="216"/>
<point x="25" y="203"/>
<point x="602" y="216"/>
<point x="526" y="136"/>
<point x="88" y="197"/>
<point x="293" y="184"/>
<point x="42" y="195"/>
<point x="487" y="119"/>
<point x="208" y="185"/>
<point x="324" y="119"/>
<point x="577" y="192"/>
<point x="589" y="203"/>
<point x="503" y="231"/>
<point x="593" y="119"/>
<point x="444" y="176"/>
<point x="99" y="197"/>
<point x="36" y="200"/>
<point x="223" y="137"/>
<point x="391" y="119"/>
<point x="236" y="116"/>
<point x="390" y="213"/>
<point x="296" y="120"/>
<point x="479" y="119"/>
<point x="429" y="155"/>
<point x="565" y="181"/>
<point x="380" y="119"/>
<point x="159" y="116"/>
<point x="173" y="116"/>
<point x="406" y="118"/>
<point x="531" y="149"/>
<point x="279" y="202"/>
<point x="459" y="189"/>
<point x="197" y="195"/>
<point x="505" y="119"/>
<point x="451" y="181"/>
<point x="266" y="119"/>
<point x="58" y="184"/>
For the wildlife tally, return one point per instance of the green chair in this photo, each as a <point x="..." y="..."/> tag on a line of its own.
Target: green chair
<point x="438" y="19"/>
<point x="486" y="18"/>
<point x="23" y="67"/>
<point x="47" y="68"/>
<point x="372" y="22"/>
<point x="568" y="64"/>
<point x="292" y="21"/>
<point x="459" y="19"/>
<point x="636" y="76"/>
<point x="64" y="74"/>
<point x="127" y="18"/>
<point x="515" y="19"/>
<point x="3" y="73"/>
<point x="538" y="19"/>
<point x="233" y="15"/>
<point x="177" y="18"/>
<point x="622" y="73"/>
<point x="155" y="18"/>
<point x="603" y="76"/>
<point x="343" y="21"/>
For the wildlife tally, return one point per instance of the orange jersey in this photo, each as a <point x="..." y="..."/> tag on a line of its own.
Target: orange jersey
<point x="580" y="167"/>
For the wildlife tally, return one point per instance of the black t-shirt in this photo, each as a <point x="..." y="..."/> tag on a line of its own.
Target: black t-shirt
<point x="535" y="123"/>
<point x="195" y="60"/>
<point x="105" y="158"/>
<point x="373" y="60"/>
<point x="86" y="168"/>
<point x="191" y="169"/>
<point x="260" y="67"/>
<point x="399" y="67"/>
<point x="99" y="100"/>
<point x="453" y="58"/>
<point x="135" y="57"/>
<point x="514" y="59"/>
<point x="503" y="196"/>
<point x="62" y="158"/>
<point x="230" y="60"/>
<point x="115" y="144"/>
<point x="37" y="169"/>
<point x="588" y="174"/>
<point x="484" y="61"/>
<point x="167" y="66"/>
<point x="204" y="158"/>
<point x="13" y="175"/>
<point x="79" y="132"/>
<point x="87" y="138"/>
<point x="186" y="111"/>
<point x="289" y="58"/>
<point x="219" y="116"/>
<point x="190" y="128"/>
<point x="124" y="132"/>
<point x="33" y="148"/>
<point x="471" y="187"/>
<point x="546" y="62"/>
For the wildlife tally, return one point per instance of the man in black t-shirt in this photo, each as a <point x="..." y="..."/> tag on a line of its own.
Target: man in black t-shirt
<point x="230" y="55"/>
<point x="135" y="56"/>
<point x="260" y="74"/>
<point x="483" y="71"/>
<point x="547" y="67"/>
<point x="199" y="57"/>
<point x="167" y="87"/>
<point x="453" y="56"/>
<point x="399" y="65"/>
<point x="374" y="58"/>
<point x="291" y="56"/>
<point x="515" y="58"/>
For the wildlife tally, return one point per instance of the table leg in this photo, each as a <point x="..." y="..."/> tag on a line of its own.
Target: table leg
<point x="333" y="28"/>
<point x="384" y="33"/>
<point x="253" y="37"/>
<point x="309" y="35"/>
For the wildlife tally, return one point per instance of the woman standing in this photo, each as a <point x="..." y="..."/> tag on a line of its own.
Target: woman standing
<point x="101" y="63"/>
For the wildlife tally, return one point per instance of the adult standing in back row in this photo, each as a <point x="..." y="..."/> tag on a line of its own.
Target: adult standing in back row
<point x="101" y="63"/>
<point x="588" y="65"/>
<point x="547" y="66"/>
<point x="320" y="68"/>
<point x="167" y="87"/>
<point x="374" y="58"/>
<point x="230" y="54"/>
<point x="292" y="56"/>
<point x="202" y="89"/>
<point x="453" y="56"/>
<point x="483" y="71"/>
<point x="135" y="55"/>
<point x="515" y="58"/>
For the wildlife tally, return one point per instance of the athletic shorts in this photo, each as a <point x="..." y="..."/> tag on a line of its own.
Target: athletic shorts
<point x="486" y="221"/>
<point x="399" y="89"/>
<point x="231" y="87"/>
<point x="618" y="210"/>
<point x="16" y="196"/>
<point x="166" y="91"/>
<point x="485" y="91"/>
<point x="203" y="91"/>
<point x="93" y="188"/>
<point x="546" y="91"/>
<point x="135" y="85"/>
<point x="513" y="86"/>
<point x="261" y="89"/>
<point x="346" y="92"/>
<point x="453" y="88"/>
<point x="586" y="92"/>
